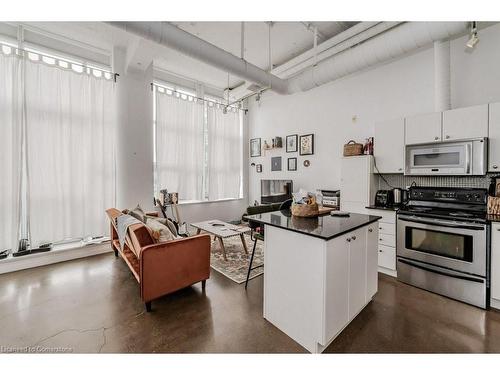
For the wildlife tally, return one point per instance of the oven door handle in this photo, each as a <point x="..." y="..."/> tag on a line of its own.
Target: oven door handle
<point x="440" y="223"/>
<point x="440" y="272"/>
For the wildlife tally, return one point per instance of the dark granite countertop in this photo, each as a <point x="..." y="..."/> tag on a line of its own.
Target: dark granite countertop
<point x="383" y="208"/>
<point x="325" y="226"/>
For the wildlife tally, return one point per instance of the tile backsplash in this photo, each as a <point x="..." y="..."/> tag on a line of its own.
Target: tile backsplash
<point x="402" y="181"/>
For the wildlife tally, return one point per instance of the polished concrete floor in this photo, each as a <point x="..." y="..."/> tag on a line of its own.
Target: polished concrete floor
<point x="93" y="305"/>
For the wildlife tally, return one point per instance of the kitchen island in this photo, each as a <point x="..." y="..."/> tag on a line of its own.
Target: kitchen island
<point x="319" y="273"/>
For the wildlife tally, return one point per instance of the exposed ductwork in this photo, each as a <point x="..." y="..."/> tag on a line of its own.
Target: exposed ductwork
<point x="173" y="37"/>
<point x="442" y="79"/>
<point x="391" y="44"/>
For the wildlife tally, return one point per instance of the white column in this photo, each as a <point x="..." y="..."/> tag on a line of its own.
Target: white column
<point x="134" y="145"/>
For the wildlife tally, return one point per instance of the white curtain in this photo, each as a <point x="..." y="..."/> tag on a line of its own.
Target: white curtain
<point x="10" y="148"/>
<point x="70" y="152"/>
<point x="180" y="146"/>
<point x="225" y="155"/>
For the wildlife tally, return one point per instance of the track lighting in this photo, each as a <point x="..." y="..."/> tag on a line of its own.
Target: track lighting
<point x="471" y="43"/>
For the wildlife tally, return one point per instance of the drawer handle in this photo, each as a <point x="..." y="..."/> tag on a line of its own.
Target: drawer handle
<point x="447" y="137"/>
<point x="495" y="166"/>
<point x="348" y="240"/>
<point x="380" y="239"/>
<point x="371" y="230"/>
<point x="436" y="138"/>
<point x="380" y="251"/>
<point x="353" y="237"/>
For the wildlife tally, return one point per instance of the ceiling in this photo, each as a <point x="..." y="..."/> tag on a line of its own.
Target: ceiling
<point x="288" y="39"/>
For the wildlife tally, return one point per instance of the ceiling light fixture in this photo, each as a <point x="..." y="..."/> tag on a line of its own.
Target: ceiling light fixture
<point x="471" y="43"/>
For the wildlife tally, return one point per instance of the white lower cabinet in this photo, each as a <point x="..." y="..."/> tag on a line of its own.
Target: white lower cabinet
<point x="386" y="241"/>
<point x="351" y="257"/>
<point x="495" y="266"/>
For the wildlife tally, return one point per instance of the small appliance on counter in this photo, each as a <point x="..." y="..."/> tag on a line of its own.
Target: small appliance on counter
<point x="331" y="198"/>
<point x="384" y="198"/>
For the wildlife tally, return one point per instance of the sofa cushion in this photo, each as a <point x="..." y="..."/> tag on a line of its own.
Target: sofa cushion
<point x="165" y="221"/>
<point x="161" y="232"/>
<point x="137" y="212"/>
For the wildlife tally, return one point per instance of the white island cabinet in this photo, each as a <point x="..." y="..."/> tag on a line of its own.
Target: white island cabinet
<point x="319" y="273"/>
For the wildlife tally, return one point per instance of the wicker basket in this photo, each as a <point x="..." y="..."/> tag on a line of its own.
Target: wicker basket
<point x="305" y="210"/>
<point x="352" y="148"/>
<point x="493" y="206"/>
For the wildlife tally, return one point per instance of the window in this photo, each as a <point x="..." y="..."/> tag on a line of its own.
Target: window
<point x="61" y="153"/>
<point x="198" y="146"/>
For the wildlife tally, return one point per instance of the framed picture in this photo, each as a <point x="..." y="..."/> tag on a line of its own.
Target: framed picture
<point x="306" y="144"/>
<point x="258" y="168"/>
<point x="276" y="163"/>
<point x="497" y="187"/>
<point x="255" y="147"/>
<point x="291" y="143"/>
<point x="292" y="164"/>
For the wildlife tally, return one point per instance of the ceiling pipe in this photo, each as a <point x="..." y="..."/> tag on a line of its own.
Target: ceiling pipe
<point x="335" y="45"/>
<point x="392" y="44"/>
<point x="395" y="43"/>
<point x="171" y="36"/>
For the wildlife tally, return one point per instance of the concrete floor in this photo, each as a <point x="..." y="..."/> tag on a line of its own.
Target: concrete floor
<point x="93" y="305"/>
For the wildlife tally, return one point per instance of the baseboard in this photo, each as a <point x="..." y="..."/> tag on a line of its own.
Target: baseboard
<point x="387" y="271"/>
<point x="12" y="264"/>
<point x="495" y="303"/>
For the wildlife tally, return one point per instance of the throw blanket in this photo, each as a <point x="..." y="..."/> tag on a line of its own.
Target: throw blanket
<point x="122" y="224"/>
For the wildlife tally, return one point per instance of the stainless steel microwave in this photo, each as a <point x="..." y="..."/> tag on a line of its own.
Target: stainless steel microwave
<point x="467" y="158"/>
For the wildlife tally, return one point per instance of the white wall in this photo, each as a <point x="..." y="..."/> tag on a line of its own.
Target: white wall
<point x="397" y="89"/>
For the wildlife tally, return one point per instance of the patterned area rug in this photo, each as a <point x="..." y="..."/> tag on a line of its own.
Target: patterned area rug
<point x="236" y="266"/>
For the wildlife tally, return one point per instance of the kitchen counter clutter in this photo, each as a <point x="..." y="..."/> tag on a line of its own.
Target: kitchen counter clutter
<point x="320" y="273"/>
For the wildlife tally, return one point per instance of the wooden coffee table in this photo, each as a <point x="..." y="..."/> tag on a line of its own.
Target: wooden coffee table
<point x="222" y="230"/>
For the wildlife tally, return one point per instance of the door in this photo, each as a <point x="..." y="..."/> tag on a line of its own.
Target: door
<point x="357" y="271"/>
<point x="494" y="141"/>
<point x="444" y="243"/>
<point x="389" y="146"/>
<point x="423" y="128"/>
<point x="495" y="261"/>
<point x="465" y="123"/>
<point x="371" y="261"/>
<point x="336" y="287"/>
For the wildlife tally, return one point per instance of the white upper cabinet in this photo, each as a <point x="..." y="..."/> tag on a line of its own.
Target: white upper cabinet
<point x="494" y="141"/>
<point x="463" y="123"/>
<point x="389" y="146"/>
<point x="423" y="128"/>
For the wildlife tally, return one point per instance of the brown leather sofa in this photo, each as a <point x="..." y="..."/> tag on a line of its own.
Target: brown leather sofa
<point x="161" y="268"/>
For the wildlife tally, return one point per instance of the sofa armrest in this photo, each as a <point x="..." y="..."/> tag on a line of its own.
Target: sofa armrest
<point x="173" y="265"/>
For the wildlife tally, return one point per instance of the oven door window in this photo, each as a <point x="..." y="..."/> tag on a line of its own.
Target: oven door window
<point x="446" y="244"/>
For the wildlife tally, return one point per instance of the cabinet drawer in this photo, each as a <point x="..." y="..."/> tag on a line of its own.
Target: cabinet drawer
<point x="387" y="257"/>
<point x="387" y="240"/>
<point x="387" y="228"/>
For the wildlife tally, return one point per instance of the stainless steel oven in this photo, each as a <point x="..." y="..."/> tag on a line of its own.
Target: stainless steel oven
<point x="444" y="256"/>
<point x="468" y="157"/>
